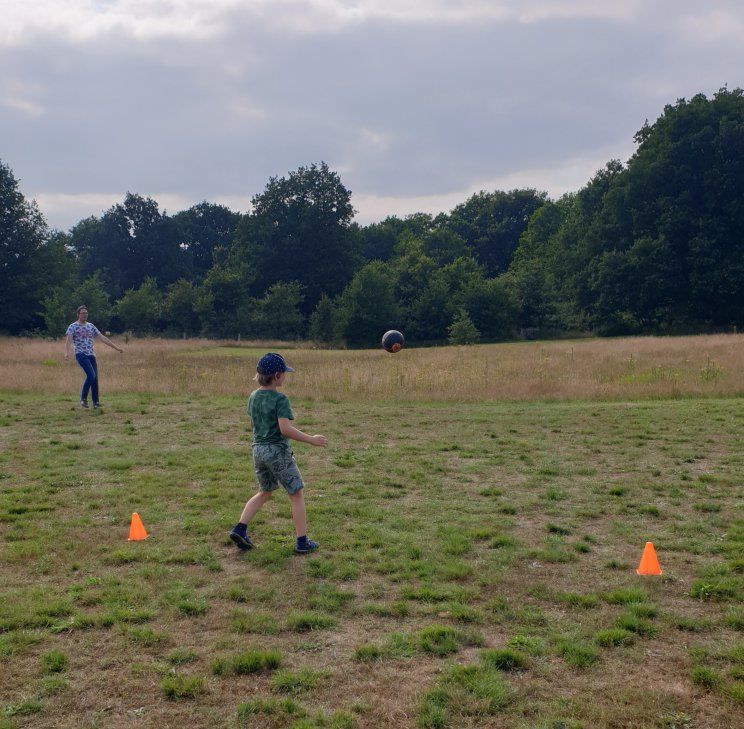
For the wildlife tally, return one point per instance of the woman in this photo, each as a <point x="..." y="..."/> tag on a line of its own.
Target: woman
<point x="82" y="333"/>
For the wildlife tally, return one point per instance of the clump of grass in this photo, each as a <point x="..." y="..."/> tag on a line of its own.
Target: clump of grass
<point x="464" y="613"/>
<point x="528" y="644"/>
<point x="643" y="609"/>
<point x="183" y="687"/>
<point x="270" y="707"/>
<point x="125" y="616"/>
<point x="321" y="720"/>
<point x="720" y="589"/>
<point x="464" y="691"/>
<point x="319" y="567"/>
<point x="428" y="594"/>
<point x="558" y="529"/>
<point x="456" y="543"/>
<point x="439" y="640"/>
<point x="506" y="659"/>
<point x="181" y="656"/>
<point x="736" y="654"/>
<point x="143" y="636"/>
<point x="433" y="709"/>
<point x="254" y="622"/>
<point x="634" y="624"/>
<point x="18" y="641"/>
<point x="616" y="564"/>
<point x="554" y="552"/>
<point x="52" y="685"/>
<point x="401" y="645"/>
<point x="329" y="599"/>
<point x="248" y="662"/>
<point x="295" y="682"/>
<point x="582" y="601"/>
<point x="626" y="596"/>
<point x="704" y="676"/>
<point x="614" y="637"/>
<point x="692" y="625"/>
<point x="367" y="652"/>
<point x="305" y="621"/>
<point x="53" y="662"/>
<point x="734" y="619"/>
<point x="192" y="606"/>
<point x="577" y="653"/>
<point x="25" y="708"/>
<point x="502" y="541"/>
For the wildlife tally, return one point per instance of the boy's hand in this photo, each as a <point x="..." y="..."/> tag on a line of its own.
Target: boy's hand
<point x="319" y="440"/>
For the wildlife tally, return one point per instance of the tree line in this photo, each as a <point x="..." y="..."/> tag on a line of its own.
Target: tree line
<point x="655" y="245"/>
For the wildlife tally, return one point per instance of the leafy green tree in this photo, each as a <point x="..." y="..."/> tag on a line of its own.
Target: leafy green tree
<point x="179" y="312"/>
<point x="491" y="224"/>
<point x="131" y="242"/>
<point x="53" y="270"/>
<point x="201" y="230"/>
<point x="462" y="330"/>
<point x="659" y="245"/>
<point x="367" y="307"/>
<point x="23" y="233"/>
<point x="380" y="241"/>
<point x="222" y="302"/>
<point x="492" y="307"/>
<point x="278" y="314"/>
<point x="93" y="294"/>
<point x="53" y="313"/>
<point x="139" y="309"/>
<point x="443" y="246"/>
<point x="323" y="322"/>
<point x="300" y="230"/>
<point x="432" y="310"/>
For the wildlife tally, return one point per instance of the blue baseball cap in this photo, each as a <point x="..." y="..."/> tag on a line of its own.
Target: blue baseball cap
<point x="271" y="364"/>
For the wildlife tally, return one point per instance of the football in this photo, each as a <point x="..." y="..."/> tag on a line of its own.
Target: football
<point x="392" y="341"/>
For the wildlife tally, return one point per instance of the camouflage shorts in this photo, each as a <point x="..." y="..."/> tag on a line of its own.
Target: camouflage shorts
<point x="275" y="465"/>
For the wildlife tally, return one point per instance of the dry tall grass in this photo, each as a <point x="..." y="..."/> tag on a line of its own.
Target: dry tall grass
<point x="627" y="368"/>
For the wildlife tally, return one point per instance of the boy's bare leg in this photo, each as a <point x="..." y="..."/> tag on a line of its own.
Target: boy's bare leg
<point x="297" y="501"/>
<point x="253" y="505"/>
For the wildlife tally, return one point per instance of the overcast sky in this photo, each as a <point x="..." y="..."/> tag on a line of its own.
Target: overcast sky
<point x="416" y="104"/>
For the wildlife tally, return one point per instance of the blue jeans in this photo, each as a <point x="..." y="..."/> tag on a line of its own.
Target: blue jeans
<point x="88" y="363"/>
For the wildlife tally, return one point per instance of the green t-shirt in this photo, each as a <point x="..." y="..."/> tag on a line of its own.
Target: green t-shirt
<point x="265" y="408"/>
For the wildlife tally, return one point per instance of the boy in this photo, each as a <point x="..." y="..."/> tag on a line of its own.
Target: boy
<point x="270" y="413"/>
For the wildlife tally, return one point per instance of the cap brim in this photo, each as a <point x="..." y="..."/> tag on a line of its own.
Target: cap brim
<point x="289" y="369"/>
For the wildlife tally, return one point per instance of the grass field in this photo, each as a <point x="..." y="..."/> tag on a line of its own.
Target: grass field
<point x="479" y="541"/>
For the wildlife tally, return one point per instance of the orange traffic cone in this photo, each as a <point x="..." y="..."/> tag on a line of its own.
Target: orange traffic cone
<point x="137" y="529"/>
<point x="649" y="564"/>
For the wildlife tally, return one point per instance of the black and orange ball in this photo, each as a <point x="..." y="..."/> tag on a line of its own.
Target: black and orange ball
<point x="392" y="341"/>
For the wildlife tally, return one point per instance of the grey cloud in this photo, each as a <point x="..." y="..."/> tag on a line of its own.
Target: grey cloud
<point x="401" y="109"/>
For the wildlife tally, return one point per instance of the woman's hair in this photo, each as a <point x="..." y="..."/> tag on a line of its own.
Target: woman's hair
<point x="265" y="380"/>
<point x="82" y="306"/>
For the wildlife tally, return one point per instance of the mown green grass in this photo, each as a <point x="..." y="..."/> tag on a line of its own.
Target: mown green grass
<point x="477" y="566"/>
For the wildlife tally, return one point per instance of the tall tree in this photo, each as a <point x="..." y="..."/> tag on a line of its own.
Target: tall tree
<point x="23" y="233"/>
<point x="300" y="230"/>
<point x="131" y="242"/>
<point x="367" y="307"/>
<point x="491" y="224"/>
<point x="201" y="230"/>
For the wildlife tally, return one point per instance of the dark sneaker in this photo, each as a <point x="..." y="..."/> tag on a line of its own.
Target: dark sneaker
<point x="306" y="547"/>
<point x="97" y="405"/>
<point x="243" y="541"/>
<point x="84" y="404"/>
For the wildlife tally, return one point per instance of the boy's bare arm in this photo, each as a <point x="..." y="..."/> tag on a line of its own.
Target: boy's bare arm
<point x="289" y="431"/>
